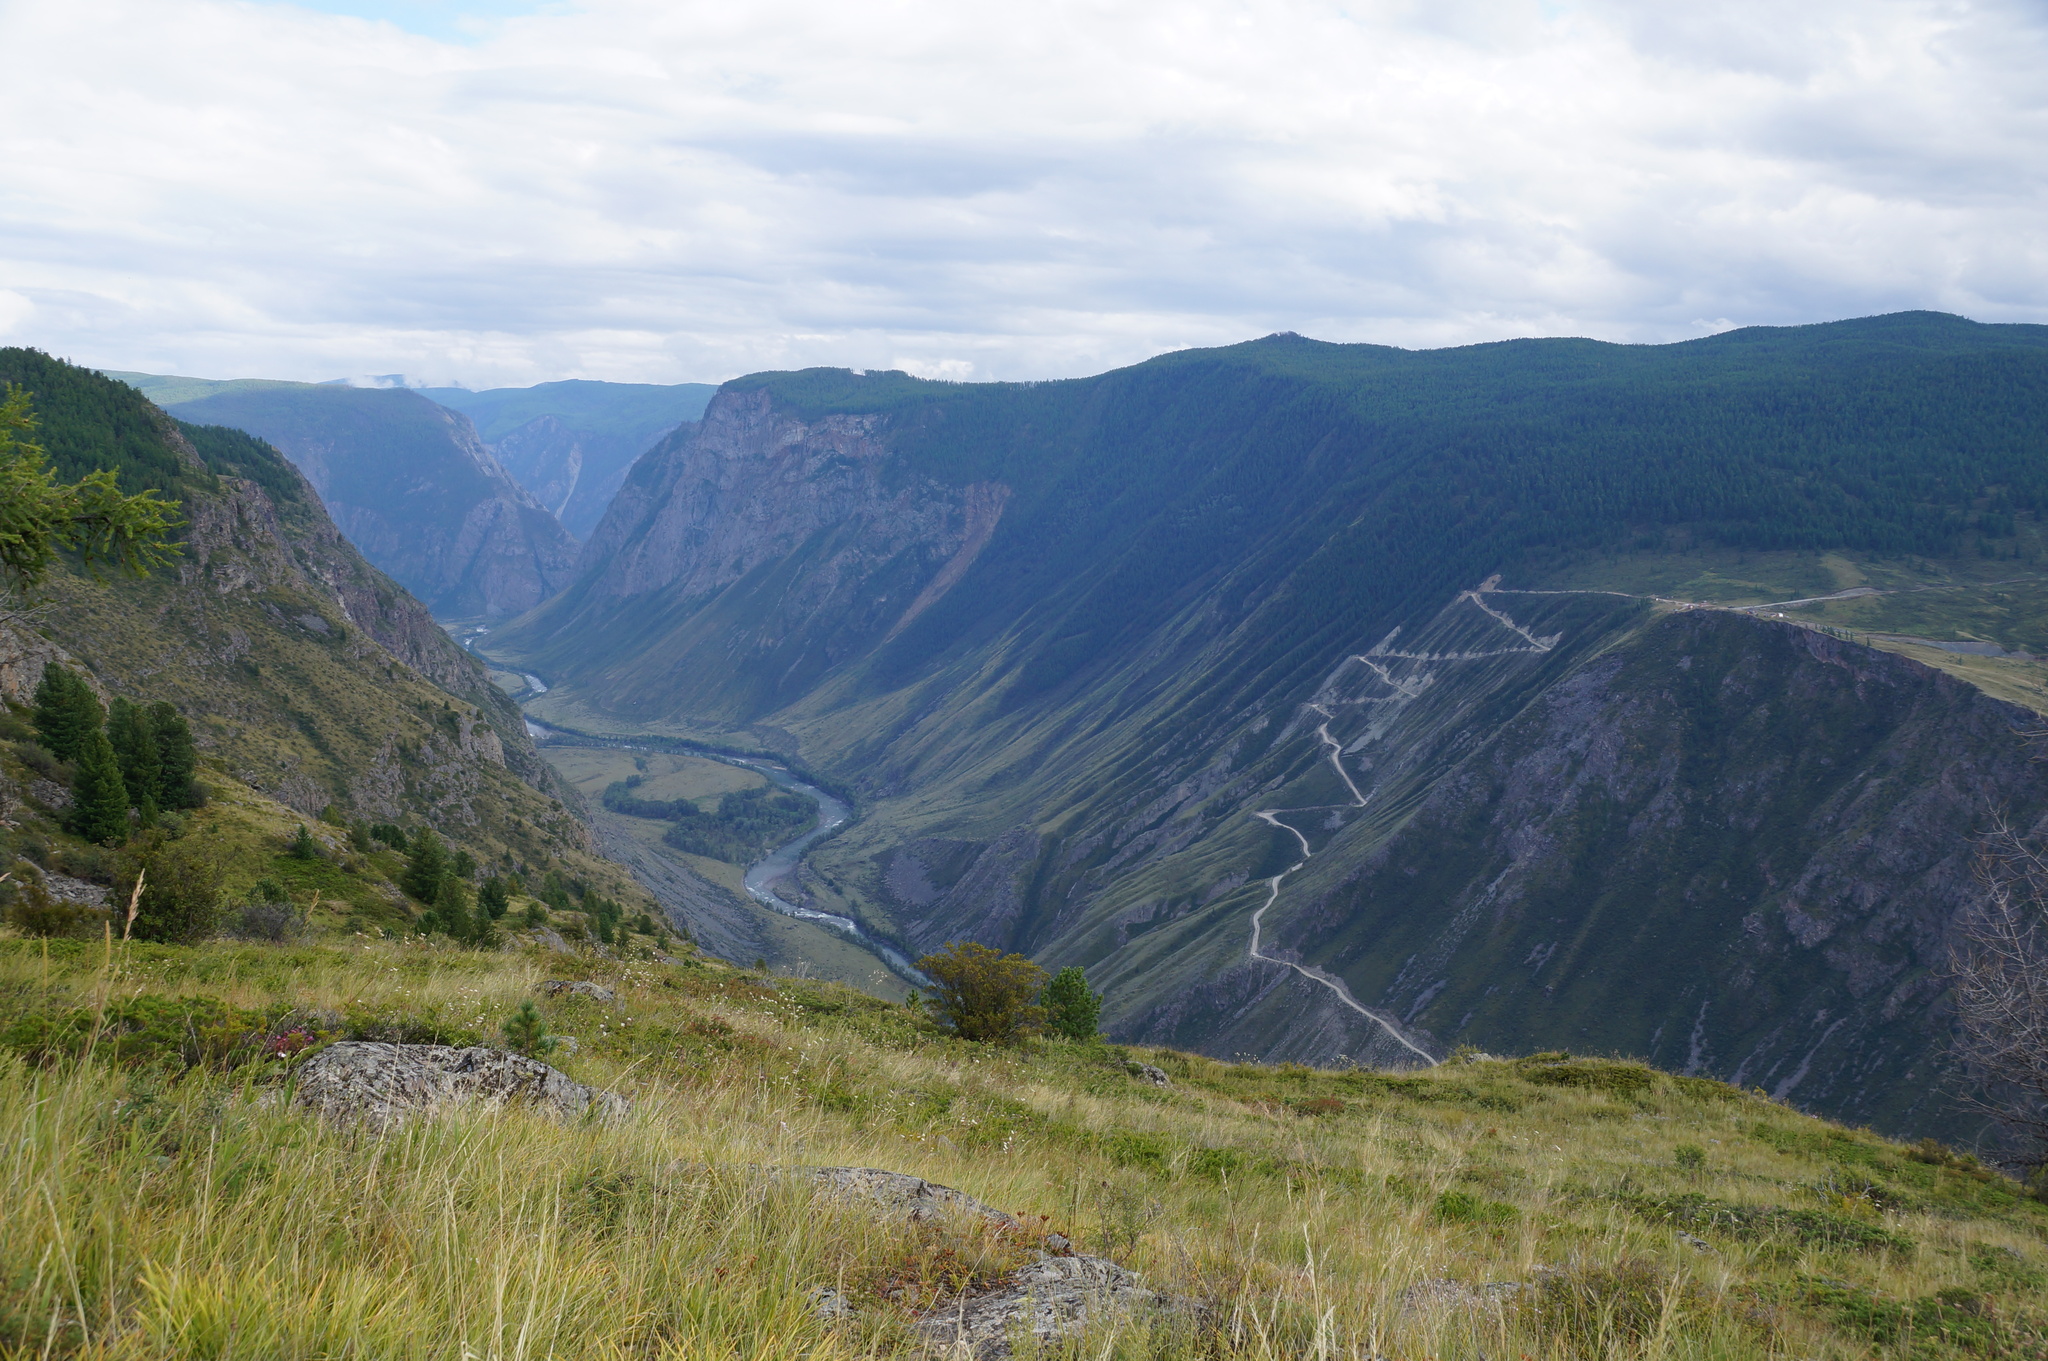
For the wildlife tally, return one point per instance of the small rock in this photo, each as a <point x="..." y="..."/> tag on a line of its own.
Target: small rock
<point x="893" y="1191"/>
<point x="1696" y="1244"/>
<point x="1145" y="1072"/>
<point x="385" y="1084"/>
<point x="1059" y="1245"/>
<point x="829" y="1305"/>
<point x="596" y="992"/>
<point x="1053" y="1301"/>
<point x="552" y="939"/>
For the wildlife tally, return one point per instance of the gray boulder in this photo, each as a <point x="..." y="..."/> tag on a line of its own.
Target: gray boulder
<point x="386" y="1084"/>
<point x="896" y="1193"/>
<point x="596" y="992"/>
<point x="1145" y="1072"/>
<point x="1051" y="1301"/>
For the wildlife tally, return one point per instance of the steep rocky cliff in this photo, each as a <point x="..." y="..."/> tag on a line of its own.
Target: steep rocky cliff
<point x="571" y="443"/>
<point x="412" y="486"/>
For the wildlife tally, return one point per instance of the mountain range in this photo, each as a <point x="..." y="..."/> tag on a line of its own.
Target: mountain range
<point x="1334" y="703"/>
<point x="1378" y="654"/>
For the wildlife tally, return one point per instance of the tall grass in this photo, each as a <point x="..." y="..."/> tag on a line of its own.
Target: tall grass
<point x="157" y="1210"/>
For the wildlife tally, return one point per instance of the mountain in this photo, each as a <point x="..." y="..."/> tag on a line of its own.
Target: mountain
<point x="570" y="443"/>
<point x="1080" y="647"/>
<point x="307" y="674"/>
<point x="407" y="480"/>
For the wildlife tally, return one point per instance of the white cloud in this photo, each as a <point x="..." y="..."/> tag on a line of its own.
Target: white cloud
<point x="640" y="189"/>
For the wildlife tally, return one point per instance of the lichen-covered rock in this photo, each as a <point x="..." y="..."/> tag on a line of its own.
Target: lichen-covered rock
<point x="896" y="1192"/>
<point x="1145" y="1072"/>
<point x="1050" y="1301"/>
<point x="596" y="992"/>
<point x="386" y="1084"/>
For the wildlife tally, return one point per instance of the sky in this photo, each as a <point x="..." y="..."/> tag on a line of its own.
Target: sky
<point x="496" y="192"/>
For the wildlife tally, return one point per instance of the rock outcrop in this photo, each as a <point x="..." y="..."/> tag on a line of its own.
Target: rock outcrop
<point x="897" y="1194"/>
<point x="383" y="1085"/>
<point x="1049" y="1302"/>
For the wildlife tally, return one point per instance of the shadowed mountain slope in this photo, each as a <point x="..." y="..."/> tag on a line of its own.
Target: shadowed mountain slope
<point x="570" y="443"/>
<point x="410" y="484"/>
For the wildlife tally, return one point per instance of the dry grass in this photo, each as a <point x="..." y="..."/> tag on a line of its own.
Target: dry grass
<point x="160" y="1210"/>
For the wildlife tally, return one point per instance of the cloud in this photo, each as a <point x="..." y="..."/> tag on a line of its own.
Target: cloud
<point x="644" y="190"/>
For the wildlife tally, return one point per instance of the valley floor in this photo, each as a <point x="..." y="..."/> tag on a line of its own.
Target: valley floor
<point x="162" y="1200"/>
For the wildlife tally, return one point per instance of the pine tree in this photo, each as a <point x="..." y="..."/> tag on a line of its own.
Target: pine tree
<point x="526" y="1033"/>
<point x="177" y="758"/>
<point x="494" y="898"/>
<point x="426" y="869"/>
<point x="66" y="712"/>
<point x="1070" y="1007"/>
<point x="99" y="801"/>
<point x="142" y="772"/>
<point x="303" y="845"/>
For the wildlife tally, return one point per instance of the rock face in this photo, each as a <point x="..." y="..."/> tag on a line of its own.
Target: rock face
<point x="383" y="1085"/>
<point x="704" y="512"/>
<point x="414" y="488"/>
<point x="1052" y="1301"/>
<point x="571" y="443"/>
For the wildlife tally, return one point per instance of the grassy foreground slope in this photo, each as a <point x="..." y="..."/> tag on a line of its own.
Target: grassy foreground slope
<point x="163" y="1202"/>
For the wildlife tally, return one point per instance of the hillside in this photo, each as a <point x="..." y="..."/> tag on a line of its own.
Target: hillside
<point x="570" y="443"/>
<point x="407" y="480"/>
<point x="1068" y="641"/>
<point x="1554" y="1207"/>
<point x="306" y="673"/>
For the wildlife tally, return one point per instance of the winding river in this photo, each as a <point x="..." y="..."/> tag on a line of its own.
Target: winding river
<point x="778" y="864"/>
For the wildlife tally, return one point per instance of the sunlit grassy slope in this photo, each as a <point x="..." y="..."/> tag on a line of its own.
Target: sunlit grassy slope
<point x="161" y="1202"/>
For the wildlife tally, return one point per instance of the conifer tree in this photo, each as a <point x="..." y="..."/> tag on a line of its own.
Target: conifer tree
<point x="178" y="759"/>
<point x="99" y="801"/>
<point x="134" y="739"/>
<point x="426" y="868"/>
<point x="493" y="898"/>
<point x="66" y="712"/>
<point x="1071" y="1008"/>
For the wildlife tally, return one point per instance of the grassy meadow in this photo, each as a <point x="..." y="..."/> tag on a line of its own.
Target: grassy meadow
<point x="162" y="1200"/>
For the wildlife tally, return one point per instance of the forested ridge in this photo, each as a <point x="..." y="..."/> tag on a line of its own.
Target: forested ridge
<point x="1367" y="483"/>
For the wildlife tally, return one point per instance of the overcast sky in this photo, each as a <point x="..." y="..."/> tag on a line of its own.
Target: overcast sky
<point x="491" y="192"/>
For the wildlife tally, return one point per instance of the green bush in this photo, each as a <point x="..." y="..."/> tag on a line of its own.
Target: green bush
<point x="526" y="1033"/>
<point x="984" y="994"/>
<point x="181" y="888"/>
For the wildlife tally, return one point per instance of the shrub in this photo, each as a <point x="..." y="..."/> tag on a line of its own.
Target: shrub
<point x="269" y="915"/>
<point x="1070" y="1008"/>
<point x="1689" y="1157"/>
<point x="180" y="901"/>
<point x="984" y="994"/>
<point x="43" y="762"/>
<point x="34" y="912"/>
